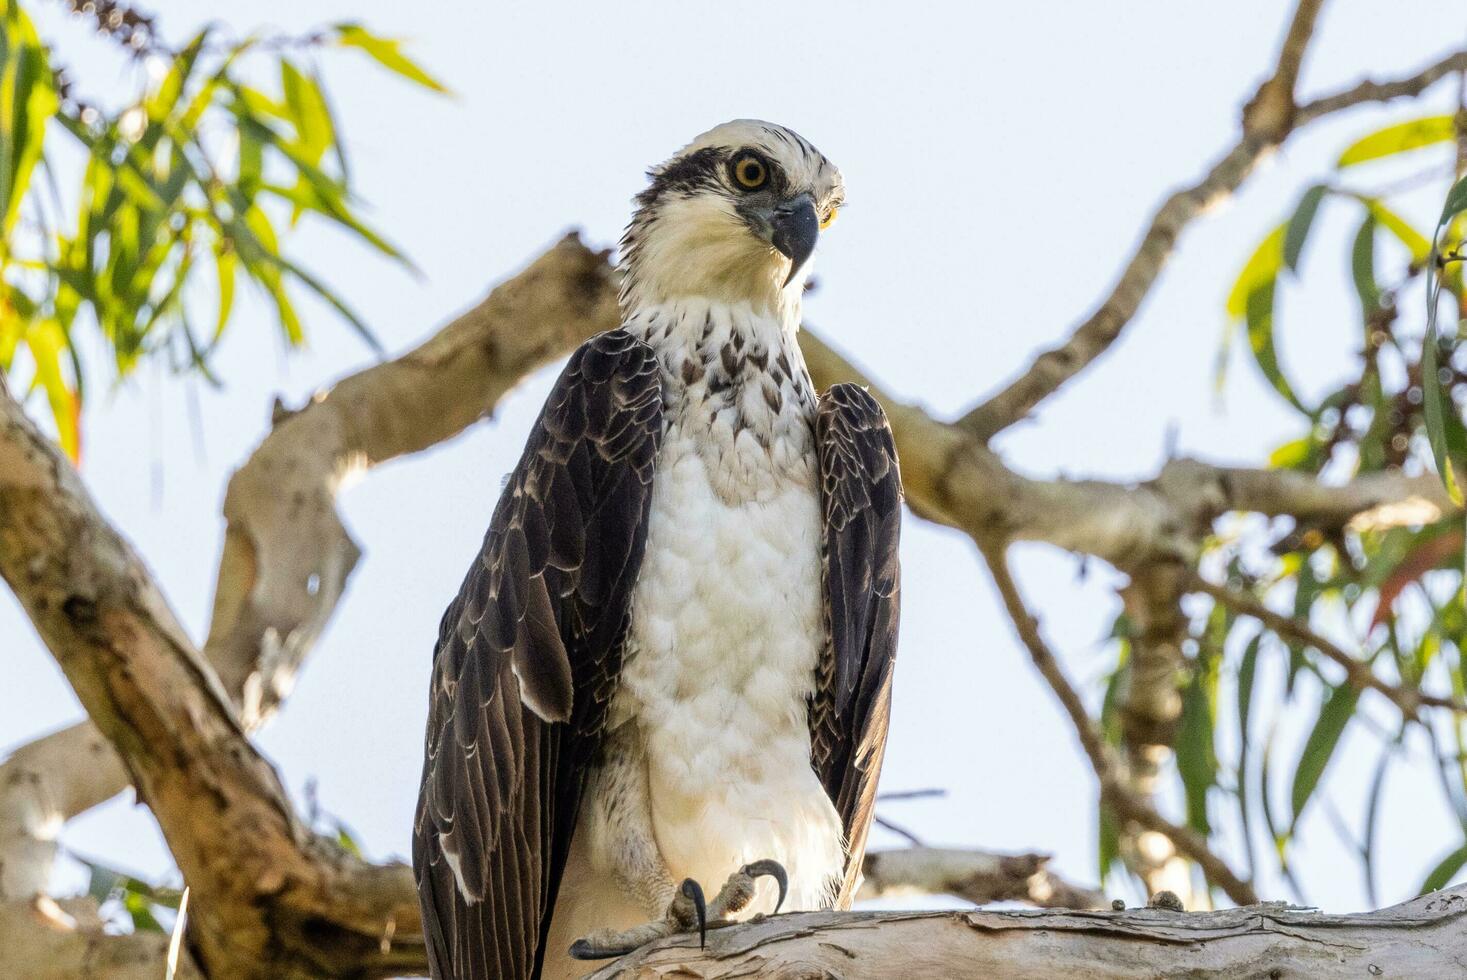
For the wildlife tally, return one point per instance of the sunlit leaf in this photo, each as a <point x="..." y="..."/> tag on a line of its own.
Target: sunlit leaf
<point x="225" y="264"/>
<point x="27" y="101"/>
<point x="1416" y="243"/>
<point x="386" y="52"/>
<point x="1319" y="748"/>
<point x="1398" y="138"/>
<point x="308" y="112"/>
<point x="1261" y="269"/>
<point x="1292" y="455"/>
<point x="46" y="344"/>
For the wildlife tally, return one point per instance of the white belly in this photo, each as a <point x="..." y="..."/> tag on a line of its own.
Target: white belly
<point x="726" y="629"/>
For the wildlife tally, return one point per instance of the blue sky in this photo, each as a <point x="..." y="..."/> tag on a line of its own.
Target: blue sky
<point x="1000" y="159"/>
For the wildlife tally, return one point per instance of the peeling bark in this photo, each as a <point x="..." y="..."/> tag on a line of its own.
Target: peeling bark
<point x="1425" y="939"/>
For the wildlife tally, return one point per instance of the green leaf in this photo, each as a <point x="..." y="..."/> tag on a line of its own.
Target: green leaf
<point x="225" y="263"/>
<point x="1261" y="269"/>
<point x="1109" y="848"/>
<point x="1443" y="873"/>
<point x="1398" y="138"/>
<point x="1334" y="716"/>
<point x="1292" y="455"/>
<point x="27" y="101"/>
<point x="1196" y="756"/>
<point x="1258" y="315"/>
<point x="1435" y="403"/>
<point x="46" y="341"/>
<point x="1297" y="230"/>
<point x="308" y="113"/>
<point x="1362" y="266"/>
<point x="1455" y="203"/>
<point x="1247" y="671"/>
<point x="387" y="53"/>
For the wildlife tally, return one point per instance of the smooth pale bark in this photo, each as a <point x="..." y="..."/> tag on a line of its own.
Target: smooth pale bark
<point x="1425" y="939"/>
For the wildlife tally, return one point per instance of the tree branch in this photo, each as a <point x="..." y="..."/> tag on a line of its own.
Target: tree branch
<point x="44" y="940"/>
<point x="1421" y="938"/>
<point x="1113" y="789"/>
<point x="979" y="877"/>
<point x="287" y="555"/>
<point x="1269" y="118"/>
<point x="278" y="901"/>
<point x="1357" y="672"/>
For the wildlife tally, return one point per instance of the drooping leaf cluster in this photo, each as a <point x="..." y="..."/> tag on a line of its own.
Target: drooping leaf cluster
<point x="188" y="187"/>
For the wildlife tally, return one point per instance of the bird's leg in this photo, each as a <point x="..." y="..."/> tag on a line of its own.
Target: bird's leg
<point x="687" y="911"/>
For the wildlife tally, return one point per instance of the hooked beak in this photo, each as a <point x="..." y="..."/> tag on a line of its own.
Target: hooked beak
<point x="795" y="228"/>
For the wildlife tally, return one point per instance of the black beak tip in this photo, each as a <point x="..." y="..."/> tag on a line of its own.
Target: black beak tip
<point x="796" y="229"/>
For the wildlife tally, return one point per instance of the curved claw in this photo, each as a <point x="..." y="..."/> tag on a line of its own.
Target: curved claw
<point x="772" y="869"/>
<point x="694" y="892"/>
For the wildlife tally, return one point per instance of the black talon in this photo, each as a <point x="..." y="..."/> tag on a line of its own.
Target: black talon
<point x="582" y="950"/>
<point x="774" y="870"/>
<point x="694" y="891"/>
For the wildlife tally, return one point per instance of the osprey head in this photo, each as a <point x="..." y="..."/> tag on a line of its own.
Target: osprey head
<point x="734" y="216"/>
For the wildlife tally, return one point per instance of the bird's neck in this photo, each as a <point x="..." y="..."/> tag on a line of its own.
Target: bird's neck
<point x="735" y="391"/>
<point x="715" y="330"/>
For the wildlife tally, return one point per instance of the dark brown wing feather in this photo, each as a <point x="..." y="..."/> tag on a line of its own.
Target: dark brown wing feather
<point x="527" y="659"/>
<point x="861" y="497"/>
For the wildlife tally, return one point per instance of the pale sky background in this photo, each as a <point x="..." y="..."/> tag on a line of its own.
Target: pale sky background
<point x="1000" y="160"/>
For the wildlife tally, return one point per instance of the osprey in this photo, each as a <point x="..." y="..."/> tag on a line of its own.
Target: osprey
<point x="670" y="666"/>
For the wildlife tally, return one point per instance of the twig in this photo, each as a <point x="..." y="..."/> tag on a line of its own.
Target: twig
<point x="1358" y="672"/>
<point x="1094" y="335"/>
<point x="1113" y="789"/>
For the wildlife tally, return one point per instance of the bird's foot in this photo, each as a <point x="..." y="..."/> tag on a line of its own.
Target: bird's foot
<point x="688" y="911"/>
<point x="738" y="891"/>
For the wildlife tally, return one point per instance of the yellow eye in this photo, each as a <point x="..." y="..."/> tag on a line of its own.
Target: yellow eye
<point x="829" y="218"/>
<point x="750" y="172"/>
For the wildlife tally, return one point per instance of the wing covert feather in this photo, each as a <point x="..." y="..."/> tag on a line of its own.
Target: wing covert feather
<point x="861" y="500"/>
<point x="526" y="661"/>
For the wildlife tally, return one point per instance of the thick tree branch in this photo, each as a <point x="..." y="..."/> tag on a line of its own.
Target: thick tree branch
<point x="277" y="901"/>
<point x="43" y="940"/>
<point x="1425" y="938"/>
<point x="287" y="555"/>
<point x="1149" y="704"/>
<point x="979" y="877"/>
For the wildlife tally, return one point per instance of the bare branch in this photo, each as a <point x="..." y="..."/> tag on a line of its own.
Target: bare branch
<point x="1357" y="672"/>
<point x="1269" y="119"/>
<point x="1421" y="938"/>
<point x="1113" y="789"/>
<point x="1407" y="87"/>
<point x="45" y="940"/>
<point x="979" y="877"/>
